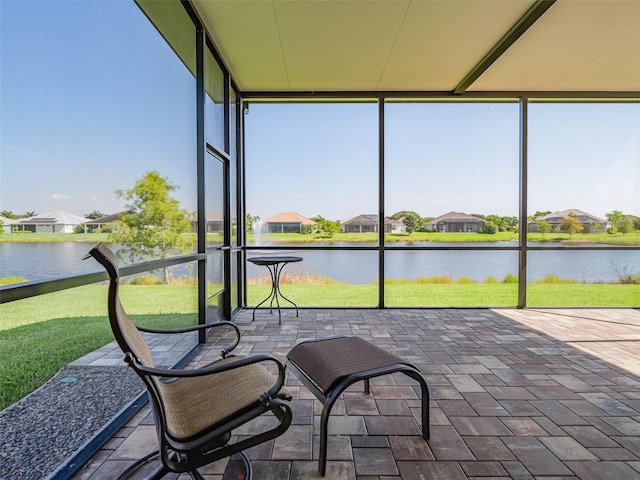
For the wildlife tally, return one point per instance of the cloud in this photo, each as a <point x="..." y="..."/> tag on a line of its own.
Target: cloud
<point x="60" y="196"/>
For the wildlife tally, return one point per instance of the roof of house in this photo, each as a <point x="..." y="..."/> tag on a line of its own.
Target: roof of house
<point x="55" y="217"/>
<point x="370" y="219"/>
<point x="7" y="221"/>
<point x="362" y="219"/>
<point x="290" y="217"/>
<point x="562" y="214"/>
<point x="454" y="217"/>
<point x="108" y="218"/>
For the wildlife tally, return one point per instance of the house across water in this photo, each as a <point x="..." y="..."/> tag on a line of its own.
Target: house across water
<point x="455" y="222"/>
<point x="590" y="223"/>
<point x="368" y="223"/>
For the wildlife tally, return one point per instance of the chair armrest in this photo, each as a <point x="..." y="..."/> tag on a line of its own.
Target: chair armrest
<point x="212" y="369"/>
<point x="194" y="328"/>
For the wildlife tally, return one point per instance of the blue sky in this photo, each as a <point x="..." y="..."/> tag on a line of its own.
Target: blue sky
<point x="322" y="159"/>
<point x="92" y="97"/>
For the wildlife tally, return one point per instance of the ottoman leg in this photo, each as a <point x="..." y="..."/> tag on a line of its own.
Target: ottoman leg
<point x="426" y="429"/>
<point x="324" y="424"/>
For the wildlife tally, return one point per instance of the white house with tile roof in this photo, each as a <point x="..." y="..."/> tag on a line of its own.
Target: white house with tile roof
<point x="6" y="224"/>
<point x="56" y="221"/>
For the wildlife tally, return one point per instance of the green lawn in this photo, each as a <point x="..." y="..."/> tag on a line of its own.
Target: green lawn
<point x="53" y="237"/>
<point x="628" y="239"/>
<point x="454" y="295"/>
<point x="40" y="335"/>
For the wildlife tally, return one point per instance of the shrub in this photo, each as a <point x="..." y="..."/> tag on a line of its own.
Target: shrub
<point x="555" y="279"/>
<point x="465" y="280"/>
<point x="628" y="279"/>
<point x="489" y="227"/>
<point x="144" y="280"/>
<point x="510" y="278"/>
<point x="490" y="280"/>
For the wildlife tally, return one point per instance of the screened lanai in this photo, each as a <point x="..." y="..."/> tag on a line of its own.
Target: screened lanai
<point x="512" y="113"/>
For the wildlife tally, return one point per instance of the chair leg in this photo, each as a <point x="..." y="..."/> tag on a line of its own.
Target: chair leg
<point x="158" y="473"/>
<point x="247" y="466"/>
<point x="248" y="472"/>
<point x="196" y="475"/>
<point x="161" y="470"/>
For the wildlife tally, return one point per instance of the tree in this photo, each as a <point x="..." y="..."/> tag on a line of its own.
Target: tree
<point x="93" y="215"/>
<point x="8" y="214"/>
<point x="497" y="221"/>
<point x="571" y="224"/>
<point x="327" y="226"/>
<point x="251" y="222"/>
<point x="155" y="223"/>
<point x="489" y="227"/>
<point x="511" y="223"/>
<point x="620" y="222"/>
<point x="544" y="226"/>
<point x="412" y="221"/>
<point x="538" y="214"/>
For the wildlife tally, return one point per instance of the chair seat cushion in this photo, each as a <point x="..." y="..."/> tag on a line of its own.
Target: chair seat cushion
<point x="194" y="404"/>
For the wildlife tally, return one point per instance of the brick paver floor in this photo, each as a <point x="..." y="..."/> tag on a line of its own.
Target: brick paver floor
<point x="524" y="394"/>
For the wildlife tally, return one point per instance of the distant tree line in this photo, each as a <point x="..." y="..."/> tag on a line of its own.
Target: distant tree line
<point x="16" y="216"/>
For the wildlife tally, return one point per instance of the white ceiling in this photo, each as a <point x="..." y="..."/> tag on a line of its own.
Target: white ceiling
<point x="424" y="45"/>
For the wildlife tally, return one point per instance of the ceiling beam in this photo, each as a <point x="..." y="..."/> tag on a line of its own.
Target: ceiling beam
<point x="529" y="18"/>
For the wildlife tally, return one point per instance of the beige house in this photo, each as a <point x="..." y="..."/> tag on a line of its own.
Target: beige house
<point x="286" y="222"/>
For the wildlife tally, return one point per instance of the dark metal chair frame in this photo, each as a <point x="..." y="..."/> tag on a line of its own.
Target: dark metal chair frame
<point x="182" y="455"/>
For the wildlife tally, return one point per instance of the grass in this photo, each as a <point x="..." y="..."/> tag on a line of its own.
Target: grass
<point x="453" y="294"/>
<point x="53" y="237"/>
<point x="629" y="239"/>
<point x="40" y="335"/>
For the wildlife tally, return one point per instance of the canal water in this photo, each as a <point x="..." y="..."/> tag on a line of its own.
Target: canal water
<point x="40" y="261"/>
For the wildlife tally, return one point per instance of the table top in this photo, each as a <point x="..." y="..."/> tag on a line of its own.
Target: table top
<point x="273" y="260"/>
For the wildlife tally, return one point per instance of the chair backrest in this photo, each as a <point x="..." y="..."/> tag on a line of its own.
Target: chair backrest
<point x="124" y="330"/>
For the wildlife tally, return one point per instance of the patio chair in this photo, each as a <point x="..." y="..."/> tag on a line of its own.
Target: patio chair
<point x="196" y="410"/>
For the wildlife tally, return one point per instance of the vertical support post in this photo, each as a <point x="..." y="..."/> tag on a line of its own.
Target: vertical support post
<point x="243" y="109"/>
<point x="226" y="252"/>
<point x="381" y="203"/>
<point x="201" y="181"/>
<point x="522" y="252"/>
